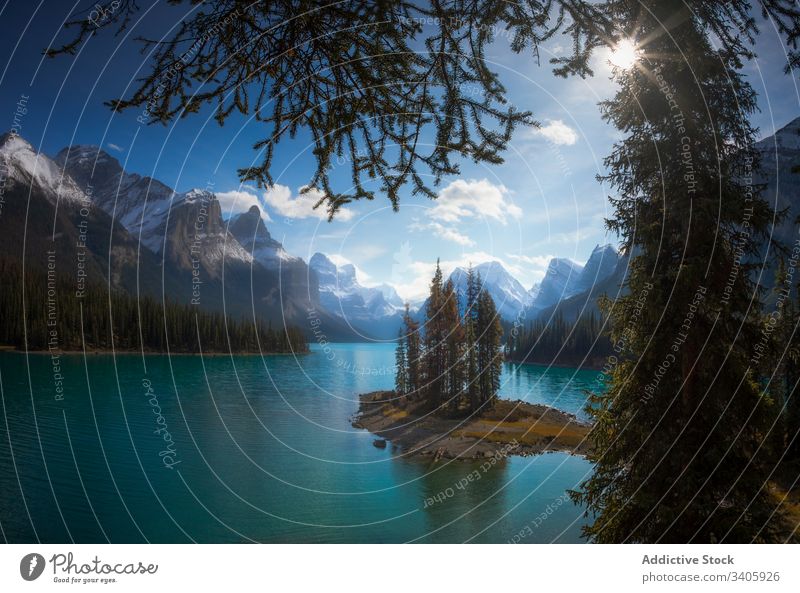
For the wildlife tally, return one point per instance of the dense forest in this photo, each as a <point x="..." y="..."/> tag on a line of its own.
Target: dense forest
<point x="455" y="363"/>
<point x="54" y="317"/>
<point x="579" y="343"/>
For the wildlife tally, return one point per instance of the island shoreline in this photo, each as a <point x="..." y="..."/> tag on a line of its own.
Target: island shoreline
<point x="508" y="428"/>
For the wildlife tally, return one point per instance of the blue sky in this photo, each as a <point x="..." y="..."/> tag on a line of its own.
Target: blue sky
<point x="544" y="201"/>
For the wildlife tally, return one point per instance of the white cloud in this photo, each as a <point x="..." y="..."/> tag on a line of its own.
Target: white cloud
<point x="443" y="232"/>
<point x="279" y="198"/>
<point x="370" y="252"/>
<point x="236" y="201"/>
<point x="557" y="132"/>
<point x="571" y="237"/>
<point x="116" y="147"/>
<point x="472" y="198"/>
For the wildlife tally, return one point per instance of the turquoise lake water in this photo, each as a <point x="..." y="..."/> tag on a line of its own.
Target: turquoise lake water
<point x="259" y="449"/>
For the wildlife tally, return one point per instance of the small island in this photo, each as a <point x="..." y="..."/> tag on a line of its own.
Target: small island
<point x="507" y="428"/>
<point x="447" y="377"/>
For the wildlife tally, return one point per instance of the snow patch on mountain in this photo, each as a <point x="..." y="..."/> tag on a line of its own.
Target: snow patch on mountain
<point x="23" y="164"/>
<point x="342" y="294"/>
<point x="140" y="204"/>
<point x="150" y="210"/>
<point x="509" y="296"/>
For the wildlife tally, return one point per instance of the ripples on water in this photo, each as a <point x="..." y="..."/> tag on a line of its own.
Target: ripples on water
<point x="264" y="451"/>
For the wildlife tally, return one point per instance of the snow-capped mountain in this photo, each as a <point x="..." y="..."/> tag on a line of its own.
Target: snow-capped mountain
<point x="138" y="203"/>
<point x="112" y="228"/>
<point x="567" y="281"/>
<point x="510" y="297"/>
<point x="375" y="309"/>
<point x="561" y="281"/>
<point x="193" y="230"/>
<point x="390" y="295"/>
<point x="185" y="229"/>
<point x="189" y="222"/>
<point x="231" y="265"/>
<point x="603" y="274"/>
<point x="341" y="293"/>
<point x="51" y="210"/>
<point x="23" y="164"/>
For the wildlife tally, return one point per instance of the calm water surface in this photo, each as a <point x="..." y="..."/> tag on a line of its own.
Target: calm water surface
<point x="263" y="451"/>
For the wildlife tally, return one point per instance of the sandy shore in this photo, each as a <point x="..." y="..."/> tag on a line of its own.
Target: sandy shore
<point x="510" y="428"/>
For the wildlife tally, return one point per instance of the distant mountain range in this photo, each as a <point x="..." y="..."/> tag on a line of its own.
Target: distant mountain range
<point x="564" y="281"/>
<point x="371" y="311"/>
<point x="139" y="235"/>
<point x="571" y="288"/>
<point x="510" y="297"/>
<point x="82" y="214"/>
<point x="136" y="234"/>
<point x="780" y="160"/>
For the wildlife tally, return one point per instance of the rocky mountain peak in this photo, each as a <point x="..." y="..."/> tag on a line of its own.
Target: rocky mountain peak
<point x="561" y="280"/>
<point x="601" y="264"/>
<point x="250" y="230"/>
<point x="11" y="142"/>
<point x="788" y="137"/>
<point x="509" y="295"/>
<point x="27" y="166"/>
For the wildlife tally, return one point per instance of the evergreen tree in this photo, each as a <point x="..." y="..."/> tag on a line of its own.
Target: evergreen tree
<point x="454" y="349"/>
<point x="782" y="368"/>
<point x="490" y="355"/>
<point x="436" y="332"/>
<point x="103" y="319"/>
<point x="401" y="366"/>
<point x="679" y="433"/>
<point x="471" y="341"/>
<point x="413" y="356"/>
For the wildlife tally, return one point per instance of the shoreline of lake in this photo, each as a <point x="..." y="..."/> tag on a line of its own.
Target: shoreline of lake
<point x="509" y="428"/>
<point x="97" y="352"/>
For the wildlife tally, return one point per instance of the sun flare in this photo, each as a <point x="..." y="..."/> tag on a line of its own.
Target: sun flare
<point x="625" y="55"/>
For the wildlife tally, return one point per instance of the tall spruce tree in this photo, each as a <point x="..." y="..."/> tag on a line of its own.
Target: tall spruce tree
<point x="414" y="375"/>
<point x="471" y="340"/>
<point x="782" y="367"/>
<point x="679" y="435"/>
<point x="401" y="366"/>
<point x="490" y="355"/>
<point x="454" y="349"/>
<point x="436" y="332"/>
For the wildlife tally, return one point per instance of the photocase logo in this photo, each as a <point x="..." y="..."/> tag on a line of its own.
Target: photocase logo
<point x="31" y="566"/>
